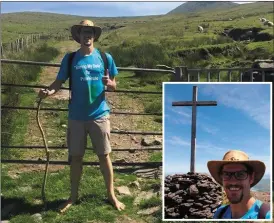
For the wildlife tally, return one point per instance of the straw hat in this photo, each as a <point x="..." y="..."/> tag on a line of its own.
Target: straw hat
<point x="236" y="156"/>
<point x="75" y="30"/>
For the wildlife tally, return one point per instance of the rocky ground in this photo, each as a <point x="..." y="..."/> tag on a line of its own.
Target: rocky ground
<point x="263" y="196"/>
<point x="191" y="195"/>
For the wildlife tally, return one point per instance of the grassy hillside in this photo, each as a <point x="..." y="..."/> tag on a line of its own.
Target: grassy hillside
<point x="18" y="24"/>
<point x="201" y="6"/>
<point x="170" y="34"/>
<point x="133" y="41"/>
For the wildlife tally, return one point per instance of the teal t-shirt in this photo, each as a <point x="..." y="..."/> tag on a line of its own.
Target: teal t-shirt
<point x="252" y="213"/>
<point x="88" y="98"/>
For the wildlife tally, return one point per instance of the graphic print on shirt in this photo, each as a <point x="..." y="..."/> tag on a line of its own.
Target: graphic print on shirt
<point x="88" y="99"/>
<point x="91" y="77"/>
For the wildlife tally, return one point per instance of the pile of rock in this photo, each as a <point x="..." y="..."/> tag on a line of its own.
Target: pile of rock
<point x="191" y="195"/>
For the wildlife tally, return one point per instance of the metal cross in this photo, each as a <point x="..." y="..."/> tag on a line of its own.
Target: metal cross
<point x="194" y="103"/>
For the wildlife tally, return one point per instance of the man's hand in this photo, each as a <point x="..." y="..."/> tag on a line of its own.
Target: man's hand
<point x="43" y="93"/>
<point x="110" y="83"/>
<point x="53" y="88"/>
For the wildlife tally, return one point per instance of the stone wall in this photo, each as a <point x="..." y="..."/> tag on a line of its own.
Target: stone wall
<point x="191" y="196"/>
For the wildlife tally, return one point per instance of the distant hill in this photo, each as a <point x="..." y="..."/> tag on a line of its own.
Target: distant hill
<point x="201" y="6"/>
<point x="263" y="185"/>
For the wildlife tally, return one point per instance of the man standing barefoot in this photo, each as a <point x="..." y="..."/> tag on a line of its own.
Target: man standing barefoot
<point x="88" y="109"/>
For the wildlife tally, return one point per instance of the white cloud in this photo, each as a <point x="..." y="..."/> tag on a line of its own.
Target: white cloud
<point x="208" y="128"/>
<point x="206" y="147"/>
<point x="246" y="98"/>
<point x="147" y="8"/>
<point x="183" y="116"/>
<point x="182" y="167"/>
<point x="177" y="141"/>
<point x="263" y="158"/>
<point x="212" y="151"/>
<point x="186" y="112"/>
<point x="98" y="9"/>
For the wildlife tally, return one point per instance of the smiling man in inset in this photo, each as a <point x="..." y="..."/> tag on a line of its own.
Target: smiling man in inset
<point x="237" y="174"/>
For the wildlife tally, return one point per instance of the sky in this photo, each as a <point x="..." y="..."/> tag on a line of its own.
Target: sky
<point x="94" y="9"/>
<point x="240" y="121"/>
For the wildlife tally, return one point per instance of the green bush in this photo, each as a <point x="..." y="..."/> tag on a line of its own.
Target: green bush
<point x="259" y="52"/>
<point x="142" y="55"/>
<point x="152" y="202"/>
<point x="13" y="123"/>
<point x="154" y="106"/>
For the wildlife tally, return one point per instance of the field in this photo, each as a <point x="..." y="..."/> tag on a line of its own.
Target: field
<point x="164" y="35"/>
<point x="144" y="42"/>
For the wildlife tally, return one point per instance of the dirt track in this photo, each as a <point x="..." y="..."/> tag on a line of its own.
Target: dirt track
<point x="118" y="122"/>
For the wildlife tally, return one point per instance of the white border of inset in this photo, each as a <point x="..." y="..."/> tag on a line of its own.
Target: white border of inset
<point x="163" y="155"/>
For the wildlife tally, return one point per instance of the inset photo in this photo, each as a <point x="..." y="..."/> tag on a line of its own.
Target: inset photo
<point x="217" y="158"/>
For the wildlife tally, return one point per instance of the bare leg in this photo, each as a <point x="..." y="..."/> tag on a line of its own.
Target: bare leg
<point x="107" y="171"/>
<point x="76" y="168"/>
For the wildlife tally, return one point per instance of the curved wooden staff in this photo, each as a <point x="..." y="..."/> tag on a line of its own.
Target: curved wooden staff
<point x="46" y="150"/>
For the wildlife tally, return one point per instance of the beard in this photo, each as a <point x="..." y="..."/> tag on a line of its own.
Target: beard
<point x="236" y="199"/>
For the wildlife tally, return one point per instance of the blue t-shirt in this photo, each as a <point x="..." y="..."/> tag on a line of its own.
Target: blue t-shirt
<point x="88" y="97"/>
<point x="252" y="213"/>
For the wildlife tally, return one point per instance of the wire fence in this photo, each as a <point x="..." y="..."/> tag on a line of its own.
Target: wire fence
<point x="119" y="110"/>
<point x="125" y="110"/>
<point x="26" y="41"/>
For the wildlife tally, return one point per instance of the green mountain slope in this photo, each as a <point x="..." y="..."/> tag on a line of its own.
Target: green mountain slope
<point x="201" y="6"/>
<point x="175" y="35"/>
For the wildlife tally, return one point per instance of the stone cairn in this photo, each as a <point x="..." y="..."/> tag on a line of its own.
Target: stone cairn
<point x="191" y="196"/>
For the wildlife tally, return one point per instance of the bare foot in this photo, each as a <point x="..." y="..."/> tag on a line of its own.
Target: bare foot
<point x="65" y="206"/>
<point x="117" y="204"/>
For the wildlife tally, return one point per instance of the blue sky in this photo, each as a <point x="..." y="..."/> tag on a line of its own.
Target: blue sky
<point x="94" y="9"/>
<point x="241" y="120"/>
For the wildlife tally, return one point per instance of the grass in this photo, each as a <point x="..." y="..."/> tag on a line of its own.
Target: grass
<point x="156" y="157"/>
<point x="92" y="187"/>
<point x="92" y="196"/>
<point x="14" y="129"/>
<point x="179" y="34"/>
<point x="260" y="45"/>
<point x="152" y="202"/>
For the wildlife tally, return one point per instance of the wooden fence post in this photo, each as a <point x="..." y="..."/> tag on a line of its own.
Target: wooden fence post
<point x="2" y="52"/>
<point x="22" y="43"/>
<point x="178" y="74"/>
<point x="17" y="45"/>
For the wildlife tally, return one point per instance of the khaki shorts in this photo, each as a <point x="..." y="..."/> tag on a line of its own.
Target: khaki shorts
<point x="98" y="130"/>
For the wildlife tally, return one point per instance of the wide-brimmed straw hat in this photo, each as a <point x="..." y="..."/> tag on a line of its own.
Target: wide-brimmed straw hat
<point x="75" y="30"/>
<point x="236" y="156"/>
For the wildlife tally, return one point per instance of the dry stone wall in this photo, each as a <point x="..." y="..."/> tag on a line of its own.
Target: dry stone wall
<point x="191" y="196"/>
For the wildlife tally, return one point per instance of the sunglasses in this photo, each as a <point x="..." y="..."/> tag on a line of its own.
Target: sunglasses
<point x="87" y="32"/>
<point x="239" y="175"/>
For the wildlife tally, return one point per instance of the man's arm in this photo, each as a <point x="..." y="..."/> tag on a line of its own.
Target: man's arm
<point x="53" y="88"/>
<point x="109" y="79"/>
<point x="112" y="84"/>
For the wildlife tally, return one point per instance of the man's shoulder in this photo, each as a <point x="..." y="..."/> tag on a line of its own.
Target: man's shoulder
<point x="106" y="53"/>
<point x="268" y="216"/>
<point x="68" y="55"/>
<point x="264" y="208"/>
<point x="220" y="210"/>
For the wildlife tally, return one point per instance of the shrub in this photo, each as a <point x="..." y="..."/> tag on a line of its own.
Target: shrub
<point x="20" y="74"/>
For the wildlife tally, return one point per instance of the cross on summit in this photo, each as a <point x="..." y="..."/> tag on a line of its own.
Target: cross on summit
<point x="194" y="103"/>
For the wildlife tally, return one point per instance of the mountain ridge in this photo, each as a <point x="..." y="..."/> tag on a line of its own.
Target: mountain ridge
<point x="191" y="7"/>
